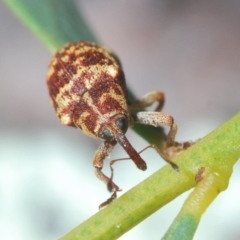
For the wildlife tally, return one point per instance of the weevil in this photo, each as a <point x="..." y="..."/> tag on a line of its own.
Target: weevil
<point x="87" y="87"/>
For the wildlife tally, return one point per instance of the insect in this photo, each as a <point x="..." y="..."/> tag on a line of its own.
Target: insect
<point x="88" y="91"/>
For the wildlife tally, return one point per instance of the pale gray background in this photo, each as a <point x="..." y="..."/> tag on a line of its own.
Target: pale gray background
<point x="188" y="49"/>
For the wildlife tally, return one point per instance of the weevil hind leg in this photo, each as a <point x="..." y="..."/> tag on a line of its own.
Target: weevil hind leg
<point x="148" y="99"/>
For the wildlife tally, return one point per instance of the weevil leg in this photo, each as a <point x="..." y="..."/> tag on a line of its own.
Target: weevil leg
<point x="102" y="152"/>
<point x="148" y="99"/>
<point x="108" y="201"/>
<point x="155" y="119"/>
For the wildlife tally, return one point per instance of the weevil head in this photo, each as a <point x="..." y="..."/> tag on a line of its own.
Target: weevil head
<point x="115" y="130"/>
<point x="114" y="127"/>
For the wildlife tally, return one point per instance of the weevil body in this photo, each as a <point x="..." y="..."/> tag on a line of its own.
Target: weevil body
<point x="88" y="91"/>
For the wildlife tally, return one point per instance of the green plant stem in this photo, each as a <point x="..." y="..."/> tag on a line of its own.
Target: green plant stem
<point x="186" y="222"/>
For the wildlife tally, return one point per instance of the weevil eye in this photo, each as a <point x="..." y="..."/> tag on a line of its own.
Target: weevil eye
<point x="106" y="135"/>
<point x="122" y="124"/>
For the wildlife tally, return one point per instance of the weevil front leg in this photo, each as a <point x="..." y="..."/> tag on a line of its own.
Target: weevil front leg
<point x="155" y="119"/>
<point x="102" y="152"/>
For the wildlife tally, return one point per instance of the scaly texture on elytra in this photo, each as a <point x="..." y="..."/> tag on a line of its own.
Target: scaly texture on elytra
<point x="86" y="86"/>
<point x="88" y="91"/>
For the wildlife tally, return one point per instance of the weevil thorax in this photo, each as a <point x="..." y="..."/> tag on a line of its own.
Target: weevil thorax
<point x="87" y="88"/>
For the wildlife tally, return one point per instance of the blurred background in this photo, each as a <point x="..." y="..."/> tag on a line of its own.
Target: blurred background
<point x="188" y="49"/>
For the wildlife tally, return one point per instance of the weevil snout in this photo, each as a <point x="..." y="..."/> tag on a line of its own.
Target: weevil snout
<point x="123" y="141"/>
<point x="114" y="130"/>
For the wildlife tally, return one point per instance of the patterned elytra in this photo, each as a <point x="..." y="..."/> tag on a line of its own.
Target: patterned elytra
<point x="87" y="87"/>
